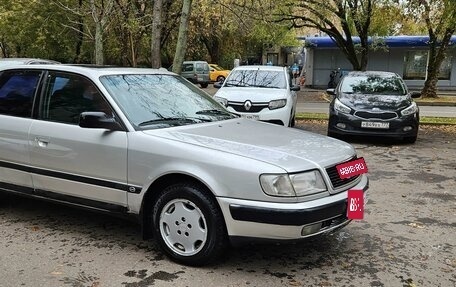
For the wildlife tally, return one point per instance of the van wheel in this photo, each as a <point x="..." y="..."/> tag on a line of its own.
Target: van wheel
<point x="204" y="85"/>
<point x="188" y="225"/>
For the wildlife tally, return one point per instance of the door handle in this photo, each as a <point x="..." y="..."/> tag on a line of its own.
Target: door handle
<point x="42" y="142"/>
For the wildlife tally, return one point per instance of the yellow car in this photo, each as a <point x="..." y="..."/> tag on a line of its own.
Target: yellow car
<point x="217" y="73"/>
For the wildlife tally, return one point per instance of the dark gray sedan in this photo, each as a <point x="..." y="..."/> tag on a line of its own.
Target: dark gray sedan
<point x="375" y="104"/>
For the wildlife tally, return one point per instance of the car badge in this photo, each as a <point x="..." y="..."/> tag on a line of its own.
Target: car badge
<point x="247" y="105"/>
<point x="375" y="109"/>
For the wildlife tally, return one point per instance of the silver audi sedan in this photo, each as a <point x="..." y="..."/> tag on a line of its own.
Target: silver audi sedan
<point x="149" y="144"/>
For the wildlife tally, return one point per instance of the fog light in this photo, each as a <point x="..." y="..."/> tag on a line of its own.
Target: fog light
<point x="341" y="125"/>
<point x="407" y="128"/>
<point x="310" y="229"/>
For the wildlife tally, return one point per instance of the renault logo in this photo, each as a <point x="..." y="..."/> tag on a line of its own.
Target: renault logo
<point x="247" y="105"/>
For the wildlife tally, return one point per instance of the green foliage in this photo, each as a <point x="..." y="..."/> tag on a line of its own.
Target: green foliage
<point x="219" y="30"/>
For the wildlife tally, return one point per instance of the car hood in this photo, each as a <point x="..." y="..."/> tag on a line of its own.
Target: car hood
<point x="291" y="149"/>
<point x="382" y="102"/>
<point x="241" y="94"/>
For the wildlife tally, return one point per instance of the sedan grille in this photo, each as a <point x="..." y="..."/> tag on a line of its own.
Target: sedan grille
<point x="336" y="181"/>
<point x="255" y="108"/>
<point x="382" y="116"/>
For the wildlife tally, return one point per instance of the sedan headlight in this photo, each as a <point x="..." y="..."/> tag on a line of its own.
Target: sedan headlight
<point x="299" y="184"/>
<point x="338" y="106"/>
<point x="277" y="104"/>
<point x="222" y="101"/>
<point x="413" y="108"/>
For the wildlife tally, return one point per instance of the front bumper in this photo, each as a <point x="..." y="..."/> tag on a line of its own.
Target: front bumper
<point x="353" y="126"/>
<point x="287" y="221"/>
<point x="279" y="116"/>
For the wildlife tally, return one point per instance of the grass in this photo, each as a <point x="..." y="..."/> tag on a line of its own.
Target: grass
<point x="423" y="120"/>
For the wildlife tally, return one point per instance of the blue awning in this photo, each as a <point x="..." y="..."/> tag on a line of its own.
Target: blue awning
<point x="391" y="41"/>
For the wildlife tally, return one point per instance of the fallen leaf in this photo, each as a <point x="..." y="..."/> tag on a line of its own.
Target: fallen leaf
<point x="416" y="225"/>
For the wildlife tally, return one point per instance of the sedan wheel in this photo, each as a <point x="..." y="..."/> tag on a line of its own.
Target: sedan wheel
<point x="183" y="227"/>
<point x="189" y="225"/>
<point x="220" y="79"/>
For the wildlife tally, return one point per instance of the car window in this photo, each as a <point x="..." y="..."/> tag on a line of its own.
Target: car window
<point x="157" y="99"/>
<point x="187" y="67"/>
<point x="16" y="92"/>
<point x="202" y="67"/>
<point x="66" y="96"/>
<point x="257" y="78"/>
<point x="373" y="84"/>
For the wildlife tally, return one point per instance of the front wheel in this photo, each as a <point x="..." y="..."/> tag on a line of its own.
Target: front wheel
<point x="220" y="79"/>
<point x="292" y="122"/>
<point x="410" y="140"/>
<point x="188" y="225"/>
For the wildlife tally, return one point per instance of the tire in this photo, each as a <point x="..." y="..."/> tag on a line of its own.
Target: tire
<point x="189" y="225"/>
<point x="292" y="122"/>
<point x="204" y="85"/>
<point x="334" y="135"/>
<point x="221" y="79"/>
<point x="410" y="140"/>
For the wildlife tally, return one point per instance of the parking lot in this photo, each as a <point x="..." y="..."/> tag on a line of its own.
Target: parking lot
<point x="406" y="238"/>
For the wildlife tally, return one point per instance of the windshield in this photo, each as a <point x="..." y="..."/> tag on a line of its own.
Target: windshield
<point x="217" y="67"/>
<point x="256" y="78"/>
<point x="373" y="84"/>
<point x="153" y="101"/>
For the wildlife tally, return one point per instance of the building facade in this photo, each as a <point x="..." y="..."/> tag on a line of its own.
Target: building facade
<point x="405" y="55"/>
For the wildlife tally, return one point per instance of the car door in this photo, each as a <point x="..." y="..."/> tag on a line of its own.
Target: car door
<point x="17" y="90"/>
<point x="74" y="164"/>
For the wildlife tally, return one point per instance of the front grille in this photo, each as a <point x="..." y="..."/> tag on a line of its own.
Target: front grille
<point x="381" y="116"/>
<point x="239" y="107"/>
<point x="336" y="181"/>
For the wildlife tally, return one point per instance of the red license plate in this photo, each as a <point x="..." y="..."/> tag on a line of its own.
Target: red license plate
<point x="355" y="208"/>
<point x="352" y="168"/>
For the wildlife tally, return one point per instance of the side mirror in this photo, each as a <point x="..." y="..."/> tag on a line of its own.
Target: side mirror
<point x="98" y="120"/>
<point x="415" y="95"/>
<point x="295" y="88"/>
<point x="331" y="92"/>
<point x="218" y="85"/>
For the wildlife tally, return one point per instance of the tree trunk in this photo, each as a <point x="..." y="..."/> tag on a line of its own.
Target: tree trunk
<point x="156" y="33"/>
<point x="436" y="57"/>
<point x="99" y="56"/>
<point x="80" y="38"/>
<point x="181" y="46"/>
<point x="437" y="51"/>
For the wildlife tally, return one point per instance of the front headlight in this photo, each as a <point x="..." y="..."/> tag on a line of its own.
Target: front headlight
<point x="300" y="184"/>
<point x="338" y="106"/>
<point x="308" y="183"/>
<point x="222" y="101"/>
<point x="413" y="108"/>
<point x="277" y="104"/>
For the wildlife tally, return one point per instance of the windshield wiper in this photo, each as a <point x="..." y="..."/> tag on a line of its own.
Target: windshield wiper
<point x="213" y="112"/>
<point x="216" y="112"/>
<point x="173" y="120"/>
<point x="236" y="84"/>
<point x="266" y="86"/>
